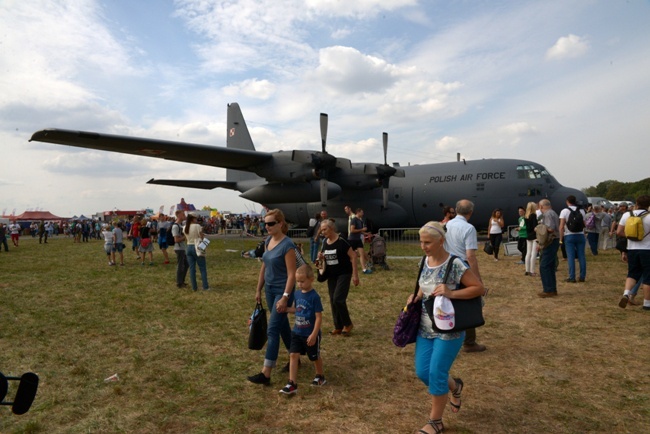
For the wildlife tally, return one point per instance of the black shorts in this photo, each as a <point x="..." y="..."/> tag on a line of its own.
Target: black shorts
<point x="638" y="265"/>
<point x="299" y="345"/>
<point x="355" y="244"/>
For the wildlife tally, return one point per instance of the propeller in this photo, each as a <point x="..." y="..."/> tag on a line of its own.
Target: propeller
<point x="384" y="172"/>
<point x="323" y="173"/>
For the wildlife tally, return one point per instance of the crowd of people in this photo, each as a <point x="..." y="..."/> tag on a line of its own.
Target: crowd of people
<point x="285" y="280"/>
<point x="335" y="259"/>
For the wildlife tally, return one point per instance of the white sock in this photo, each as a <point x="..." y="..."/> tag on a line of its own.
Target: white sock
<point x="646" y="303"/>
<point x="627" y="292"/>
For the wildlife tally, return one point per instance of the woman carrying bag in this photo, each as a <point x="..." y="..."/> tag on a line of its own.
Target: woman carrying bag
<point x="194" y="232"/>
<point x="277" y="277"/>
<point x="435" y="352"/>
<point x="496" y="231"/>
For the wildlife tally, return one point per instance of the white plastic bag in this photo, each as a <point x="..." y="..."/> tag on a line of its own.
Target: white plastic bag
<point x="443" y="313"/>
<point x="201" y="245"/>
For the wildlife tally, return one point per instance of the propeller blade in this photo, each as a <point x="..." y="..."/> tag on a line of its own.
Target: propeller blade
<point x="323" y="192"/>
<point x="323" y="129"/>
<point x="385" y="136"/>
<point x="384" y="192"/>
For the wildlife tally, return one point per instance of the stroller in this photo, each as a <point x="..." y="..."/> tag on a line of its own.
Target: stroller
<point x="378" y="251"/>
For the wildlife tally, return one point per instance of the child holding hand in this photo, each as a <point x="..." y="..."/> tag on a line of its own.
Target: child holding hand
<point x="305" y="336"/>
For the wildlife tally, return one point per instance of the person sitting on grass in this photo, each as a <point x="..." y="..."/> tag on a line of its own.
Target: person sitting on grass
<point x="305" y="336"/>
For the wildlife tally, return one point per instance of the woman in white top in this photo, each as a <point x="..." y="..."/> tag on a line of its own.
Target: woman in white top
<point x="193" y="232"/>
<point x="496" y="231"/>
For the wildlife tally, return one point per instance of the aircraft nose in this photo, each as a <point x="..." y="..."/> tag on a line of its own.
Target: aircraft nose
<point x="560" y="195"/>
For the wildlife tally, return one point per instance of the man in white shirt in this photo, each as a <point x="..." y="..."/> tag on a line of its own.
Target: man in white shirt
<point x="574" y="240"/>
<point x="638" y="254"/>
<point x="462" y="240"/>
<point x="15" y="233"/>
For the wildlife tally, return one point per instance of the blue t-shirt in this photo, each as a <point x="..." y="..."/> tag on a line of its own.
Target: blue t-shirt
<point x="355" y="223"/>
<point x="307" y="305"/>
<point x="275" y="271"/>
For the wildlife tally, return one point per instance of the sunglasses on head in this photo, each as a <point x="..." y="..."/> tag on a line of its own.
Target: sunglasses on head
<point x="271" y="224"/>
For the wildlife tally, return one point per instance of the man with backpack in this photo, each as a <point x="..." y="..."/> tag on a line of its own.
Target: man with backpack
<point x="635" y="225"/>
<point x="550" y="222"/>
<point x="592" y="227"/>
<point x="572" y="225"/>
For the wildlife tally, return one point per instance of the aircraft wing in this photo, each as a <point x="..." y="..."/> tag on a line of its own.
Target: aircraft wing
<point x="191" y="183"/>
<point x="215" y="156"/>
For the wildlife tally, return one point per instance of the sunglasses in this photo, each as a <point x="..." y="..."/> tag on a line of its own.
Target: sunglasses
<point x="270" y="224"/>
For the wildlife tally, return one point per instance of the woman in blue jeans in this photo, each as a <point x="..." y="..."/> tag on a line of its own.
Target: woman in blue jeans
<point x="436" y="352"/>
<point x="193" y="232"/>
<point x="277" y="277"/>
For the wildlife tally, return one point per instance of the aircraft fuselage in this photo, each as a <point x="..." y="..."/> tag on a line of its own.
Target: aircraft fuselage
<point x="421" y="194"/>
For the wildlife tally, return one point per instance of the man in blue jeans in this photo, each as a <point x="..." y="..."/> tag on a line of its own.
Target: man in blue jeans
<point x="574" y="240"/>
<point x="548" y="260"/>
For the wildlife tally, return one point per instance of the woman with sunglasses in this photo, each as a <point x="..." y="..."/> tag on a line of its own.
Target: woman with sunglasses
<point x="277" y="277"/>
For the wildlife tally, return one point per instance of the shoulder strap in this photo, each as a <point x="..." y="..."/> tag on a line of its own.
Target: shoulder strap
<point x="450" y="264"/>
<point x="417" y="281"/>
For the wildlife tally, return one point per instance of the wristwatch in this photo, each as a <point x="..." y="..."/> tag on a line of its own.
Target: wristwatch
<point x="286" y="294"/>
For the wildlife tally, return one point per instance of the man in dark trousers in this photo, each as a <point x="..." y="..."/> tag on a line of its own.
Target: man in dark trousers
<point x="42" y="231"/>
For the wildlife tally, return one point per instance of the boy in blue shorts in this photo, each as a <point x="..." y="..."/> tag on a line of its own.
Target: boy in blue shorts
<point x="305" y="336"/>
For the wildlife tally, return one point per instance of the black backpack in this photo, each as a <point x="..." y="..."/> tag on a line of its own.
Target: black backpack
<point x="575" y="222"/>
<point x="170" y="236"/>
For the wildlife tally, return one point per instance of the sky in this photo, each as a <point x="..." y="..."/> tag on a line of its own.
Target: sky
<point x="564" y="83"/>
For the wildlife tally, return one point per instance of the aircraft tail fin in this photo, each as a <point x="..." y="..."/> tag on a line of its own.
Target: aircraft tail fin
<point x="238" y="137"/>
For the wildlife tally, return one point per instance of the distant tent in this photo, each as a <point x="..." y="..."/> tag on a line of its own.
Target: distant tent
<point x="83" y="217"/>
<point x="37" y="215"/>
<point x="186" y="207"/>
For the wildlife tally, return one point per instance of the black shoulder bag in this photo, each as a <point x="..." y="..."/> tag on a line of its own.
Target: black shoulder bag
<point x="469" y="312"/>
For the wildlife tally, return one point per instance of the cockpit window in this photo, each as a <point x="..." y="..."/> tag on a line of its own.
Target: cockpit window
<point x="531" y="171"/>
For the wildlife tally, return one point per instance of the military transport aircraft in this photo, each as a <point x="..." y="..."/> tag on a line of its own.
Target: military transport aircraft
<point x="302" y="183"/>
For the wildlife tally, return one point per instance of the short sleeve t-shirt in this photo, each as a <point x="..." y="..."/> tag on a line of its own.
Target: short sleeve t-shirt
<point x="307" y="304"/>
<point x="429" y="279"/>
<point x="275" y="268"/>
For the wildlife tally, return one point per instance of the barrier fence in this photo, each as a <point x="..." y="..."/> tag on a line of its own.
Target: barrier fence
<point x="399" y="241"/>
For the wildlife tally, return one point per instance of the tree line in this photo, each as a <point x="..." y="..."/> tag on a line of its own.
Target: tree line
<point x="615" y="190"/>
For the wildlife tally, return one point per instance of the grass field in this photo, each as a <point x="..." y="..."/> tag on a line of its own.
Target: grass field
<point x="572" y="364"/>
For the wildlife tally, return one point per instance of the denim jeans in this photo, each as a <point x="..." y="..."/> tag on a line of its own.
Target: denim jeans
<point x="181" y="266"/>
<point x="278" y="326"/>
<point x="592" y="239"/>
<point x="433" y="360"/>
<point x="575" y="247"/>
<point x="313" y="249"/>
<point x="193" y="259"/>
<point x="548" y="265"/>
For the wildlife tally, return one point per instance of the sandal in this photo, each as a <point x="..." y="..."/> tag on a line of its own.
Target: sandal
<point x="437" y="426"/>
<point x="455" y="408"/>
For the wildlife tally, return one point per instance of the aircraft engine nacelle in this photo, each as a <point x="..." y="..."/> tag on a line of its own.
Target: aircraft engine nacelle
<point x="357" y="182"/>
<point x="290" y="193"/>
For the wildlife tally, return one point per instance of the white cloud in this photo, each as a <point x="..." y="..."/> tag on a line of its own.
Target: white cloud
<point x="341" y="33"/>
<point x="358" y="9"/>
<point x="568" y="47"/>
<point x="518" y="128"/>
<point x="347" y="70"/>
<point x="252" y="88"/>
<point x="448" y="143"/>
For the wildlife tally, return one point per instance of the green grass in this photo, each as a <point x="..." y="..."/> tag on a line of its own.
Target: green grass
<point x="567" y="365"/>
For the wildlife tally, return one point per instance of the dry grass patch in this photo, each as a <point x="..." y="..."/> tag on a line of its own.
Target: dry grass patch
<point x="571" y="364"/>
